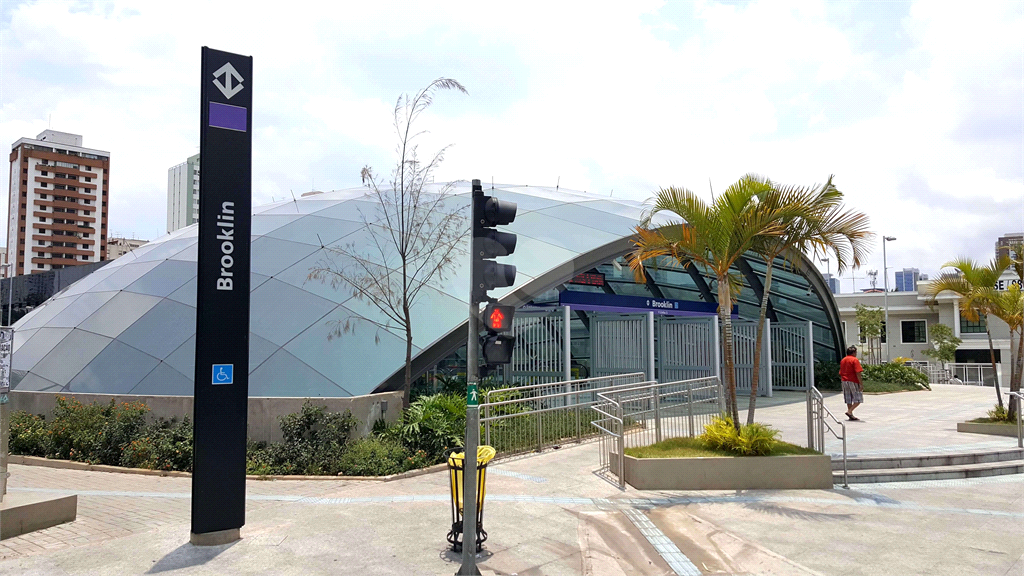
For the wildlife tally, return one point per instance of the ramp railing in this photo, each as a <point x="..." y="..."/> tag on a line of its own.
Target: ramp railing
<point x="647" y="413"/>
<point x="528" y="418"/>
<point x="817" y="413"/>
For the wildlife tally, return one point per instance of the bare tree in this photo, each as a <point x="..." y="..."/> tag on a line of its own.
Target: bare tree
<point x="414" y="237"/>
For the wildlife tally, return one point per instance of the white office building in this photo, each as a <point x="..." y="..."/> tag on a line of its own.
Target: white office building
<point x="183" y="194"/>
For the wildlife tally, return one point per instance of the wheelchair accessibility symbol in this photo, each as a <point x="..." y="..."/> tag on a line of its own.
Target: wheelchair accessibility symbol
<point x="223" y="374"/>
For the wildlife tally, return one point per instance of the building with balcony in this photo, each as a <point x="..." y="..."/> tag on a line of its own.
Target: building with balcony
<point x="58" y="203"/>
<point x="183" y="194"/>
<point x="117" y="247"/>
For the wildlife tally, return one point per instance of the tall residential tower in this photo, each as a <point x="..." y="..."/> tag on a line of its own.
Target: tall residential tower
<point x="183" y="194"/>
<point x="58" y="203"/>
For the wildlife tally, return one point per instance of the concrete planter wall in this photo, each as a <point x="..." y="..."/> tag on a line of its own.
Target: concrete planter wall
<point x="264" y="413"/>
<point x="986" y="428"/>
<point x="739" y="473"/>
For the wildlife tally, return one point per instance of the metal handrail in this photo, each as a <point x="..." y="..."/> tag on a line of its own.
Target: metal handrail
<point x="822" y="424"/>
<point x="1020" y="424"/>
<point x="487" y="394"/>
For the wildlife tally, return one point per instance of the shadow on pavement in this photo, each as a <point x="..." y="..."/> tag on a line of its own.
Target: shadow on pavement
<point x="186" y="556"/>
<point x="777" y="510"/>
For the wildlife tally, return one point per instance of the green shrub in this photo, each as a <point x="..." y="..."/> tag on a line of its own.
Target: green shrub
<point x="999" y="414"/>
<point x="826" y="376"/>
<point x="94" y="433"/>
<point x="314" y="441"/>
<point x="432" y="424"/>
<point x="29" y="435"/>
<point x="896" y="374"/>
<point x="752" y="440"/>
<point x="163" y="446"/>
<point x="374" y="457"/>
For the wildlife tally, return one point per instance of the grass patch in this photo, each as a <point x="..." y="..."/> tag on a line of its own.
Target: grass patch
<point x="876" y="387"/>
<point x="987" y="420"/>
<point x="695" y="448"/>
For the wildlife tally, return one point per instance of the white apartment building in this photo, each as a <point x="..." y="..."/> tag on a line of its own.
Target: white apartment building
<point x="58" y="203"/>
<point x="911" y="318"/>
<point x="117" y="247"/>
<point x="183" y="194"/>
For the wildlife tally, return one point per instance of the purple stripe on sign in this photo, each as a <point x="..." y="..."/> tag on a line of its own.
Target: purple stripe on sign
<point x="227" y="116"/>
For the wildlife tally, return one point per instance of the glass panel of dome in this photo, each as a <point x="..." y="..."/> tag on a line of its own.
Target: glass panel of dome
<point x="306" y="206"/>
<point x="184" y="358"/>
<point x="524" y="203"/>
<point x="115" y="370"/>
<point x="297" y="275"/>
<point x="596" y="219"/>
<point x="187" y="293"/>
<point x="84" y="306"/>
<point x="352" y="210"/>
<point x="33" y="383"/>
<point x="259" y="350"/>
<point x="628" y="210"/>
<point x="433" y="315"/>
<point x="161" y="330"/>
<point x="164" y="250"/>
<point x="575" y="237"/>
<point x="315" y="230"/>
<point x="284" y="311"/>
<point x="119" y="313"/>
<point x="21" y="336"/>
<point x="34" y="349"/>
<point x="189" y="254"/>
<point x="67" y="358"/>
<point x="124" y="276"/>
<point x="256" y="280"/>
<point x="266" y="223"/>
<point x="533" y="257"/>
<point x="285" y="375"/>
<point x="343" y="358"/>
<point x="164" y="381"/>
<point x="46" y="312"/>
<point x="270" y="256"/>
<point x="167" y="277"/>
<point x="89" y="281"/>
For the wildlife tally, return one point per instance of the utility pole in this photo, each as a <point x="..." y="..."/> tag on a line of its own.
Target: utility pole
<point x="885" y="273"/>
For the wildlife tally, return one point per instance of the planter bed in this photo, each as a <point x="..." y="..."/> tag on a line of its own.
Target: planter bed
<point x="994" y="429"/>
<point x="728" y="473"/>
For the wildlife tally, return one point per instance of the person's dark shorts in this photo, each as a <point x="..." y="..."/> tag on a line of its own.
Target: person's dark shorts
<point x="852" y="393"/>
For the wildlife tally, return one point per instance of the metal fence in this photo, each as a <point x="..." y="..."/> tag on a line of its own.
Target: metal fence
<point x="973" y="374"/>
<point x="539" y="354"/>
<point x="647" y="413"/>
<point x="528" y="418"/>
<point x="792" y="355"/>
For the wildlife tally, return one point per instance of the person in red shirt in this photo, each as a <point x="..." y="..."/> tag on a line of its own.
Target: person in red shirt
<point x="853" y="389"/>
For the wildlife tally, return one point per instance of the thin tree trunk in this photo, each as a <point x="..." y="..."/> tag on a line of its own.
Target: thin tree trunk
<point x="407" y="388"/>
<point x="1017" y="372"/>
<point x="992" y="357"/>
<point x="729" y="368"/>
<point x="758" y="341"/>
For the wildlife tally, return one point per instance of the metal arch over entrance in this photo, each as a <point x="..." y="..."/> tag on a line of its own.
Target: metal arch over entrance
<point x="560" y="275"/>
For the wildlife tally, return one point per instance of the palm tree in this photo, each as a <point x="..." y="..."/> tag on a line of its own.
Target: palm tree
<point x="713" y="237"/>
<point x="1008" y="306"/>
<point x="973" y="283"/>
<point x="816" y="224"/>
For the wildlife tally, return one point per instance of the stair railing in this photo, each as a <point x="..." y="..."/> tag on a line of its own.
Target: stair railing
<point x="817" y="412"/>
<point x="1020" y="427"/>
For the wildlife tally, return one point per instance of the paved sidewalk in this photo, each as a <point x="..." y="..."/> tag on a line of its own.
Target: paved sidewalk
<point x="551" y="514"/>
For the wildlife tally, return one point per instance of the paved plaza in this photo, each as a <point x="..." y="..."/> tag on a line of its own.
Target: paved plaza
<point x="551" y="513"/>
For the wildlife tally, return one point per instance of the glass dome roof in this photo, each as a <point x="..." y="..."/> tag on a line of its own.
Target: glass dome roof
<point x="129" y="327"/>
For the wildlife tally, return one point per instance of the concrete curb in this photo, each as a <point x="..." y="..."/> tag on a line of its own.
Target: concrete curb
<point x="984" y="428"/>
<point x="72" y="465"/>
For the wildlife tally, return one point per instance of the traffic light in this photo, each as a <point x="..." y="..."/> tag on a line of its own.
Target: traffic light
<point x="489" y="243"/>
<point x="498" y="318"/>
<point x="497" y="348"/>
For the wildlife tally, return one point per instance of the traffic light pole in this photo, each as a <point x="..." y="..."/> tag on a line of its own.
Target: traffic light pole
<point x="469" y="527"/>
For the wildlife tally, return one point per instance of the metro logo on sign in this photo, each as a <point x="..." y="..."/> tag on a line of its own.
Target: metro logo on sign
<point x="232" y="83"/>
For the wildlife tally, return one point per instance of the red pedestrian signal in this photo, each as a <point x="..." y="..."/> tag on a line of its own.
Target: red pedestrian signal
<point x="498" y="318"/>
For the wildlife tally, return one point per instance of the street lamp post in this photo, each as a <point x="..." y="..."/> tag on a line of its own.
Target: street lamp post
<point x="885" y="279"/>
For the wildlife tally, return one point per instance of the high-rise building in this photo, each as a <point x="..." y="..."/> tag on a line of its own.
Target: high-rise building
<point x="906" y="279"/>
<point x="833" y="283"/>
<point x="58" y="203"/>
<point x="1006" y="240"/>
<point x="183" y="194"/>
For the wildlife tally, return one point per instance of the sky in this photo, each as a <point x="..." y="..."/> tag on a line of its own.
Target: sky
<point x="917" y="108"/>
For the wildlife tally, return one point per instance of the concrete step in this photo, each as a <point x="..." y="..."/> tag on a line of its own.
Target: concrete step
<point x="931" y="472"/>
<point x="928" y="460"/>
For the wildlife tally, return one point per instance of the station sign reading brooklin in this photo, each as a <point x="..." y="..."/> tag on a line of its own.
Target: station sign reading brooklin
<point x="222" y="300"/>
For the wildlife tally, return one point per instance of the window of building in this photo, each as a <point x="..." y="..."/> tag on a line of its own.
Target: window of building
<point x="40" y="266"/>
<point x="85" y="257"/>
<point x="913" y="331"/>
<point x="45" y="173"/>
<point x="22" y="217"/>
<point x="42" y="196"/>
<point x="968" y="327"/>
<point x="864" y="339"/>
